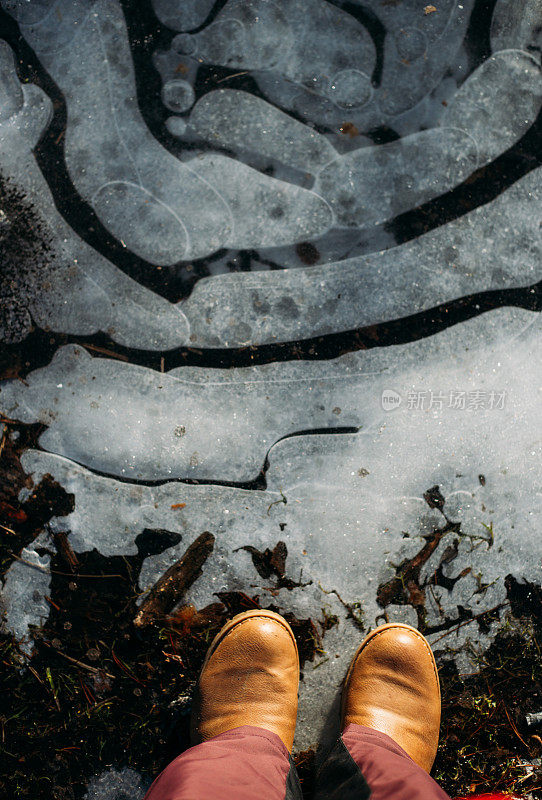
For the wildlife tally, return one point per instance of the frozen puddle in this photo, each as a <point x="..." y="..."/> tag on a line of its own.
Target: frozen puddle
<point x="64" y="285"/>
<point x="164" y="209"/>
<point x="136" y="423"/>
<point x="348" y="507"/>
<point x="494" y="247"/>
<point x="282" y="133"/>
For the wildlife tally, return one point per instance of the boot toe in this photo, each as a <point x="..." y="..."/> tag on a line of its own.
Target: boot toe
<point x="250" y="677"/>
<point x="392" y="686"/>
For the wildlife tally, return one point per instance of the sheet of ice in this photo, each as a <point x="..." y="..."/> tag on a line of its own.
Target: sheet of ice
<point x="160" y="207"/>
<point x="495" y="106"/>
<point x="26" y="584"/>
<point x="517" y="23"/>
<point x="182" y="15"/>
<point x="242" y="122"/>
<point x="265" y="211"/>
<point x="293" y="39"/>
<point x="350" y="507"/>
<point x="72" y="288"/>
<point x="496" y="246"/>
<point x="493" y="109"/>
<point x="320" y="62"/>
<point x="130" y="421"/>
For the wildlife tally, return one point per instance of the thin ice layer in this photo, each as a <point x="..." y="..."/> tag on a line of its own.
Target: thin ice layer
<point x="496" y="246"/>
<point x="126" y="420"/>
<point x="518" y="24"/>
<point x="160" y="207"/>
<point x="64" y="285"/>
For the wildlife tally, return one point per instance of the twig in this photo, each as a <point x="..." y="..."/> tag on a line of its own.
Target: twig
<point x="515" y="729"/>
<point x="65" y="574"/>
<point x="95" y="670"/>
<point x="171" y="587"/>
<point x="236" y="75"/>
<point x="7" y="421"/>
<point x="8" y="529"/>
<point x="106" y="352"/>
<point x="61" y="540"/>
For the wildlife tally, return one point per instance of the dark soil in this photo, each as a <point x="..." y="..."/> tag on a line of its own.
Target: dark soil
<point x="485" y="744"/>
<point x="100" y="691"/>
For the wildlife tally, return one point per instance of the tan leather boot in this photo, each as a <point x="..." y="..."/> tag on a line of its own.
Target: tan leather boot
<point x="250" y="676"/>
<point x="392" y="686"/>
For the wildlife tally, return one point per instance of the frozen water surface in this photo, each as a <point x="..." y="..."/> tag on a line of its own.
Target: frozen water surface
<point x="496" y="246"/>
<point x="212" y="424"/>
<point x="289" y="131"/>
<point x="351" y="506"/>
<point x="72" y="288"/>
<point x="160" y="207"/>
<point x="457" y="259"/>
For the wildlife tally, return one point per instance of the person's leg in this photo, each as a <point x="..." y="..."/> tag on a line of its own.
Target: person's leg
<point x="246" y="763"/>
<point x="389" y="722"/>
<point x="243" y="720"/>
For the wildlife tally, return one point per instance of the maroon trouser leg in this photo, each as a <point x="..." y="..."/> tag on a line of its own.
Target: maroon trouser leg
<point x="253" y="764"/>
<point x="243" y="764"/>
<point x="390" y="773"/>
